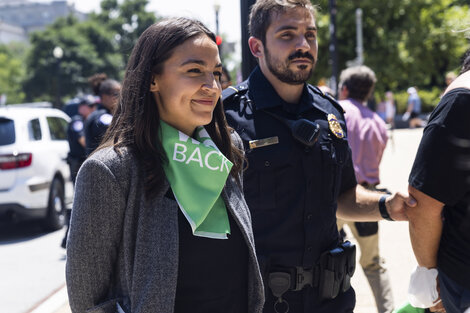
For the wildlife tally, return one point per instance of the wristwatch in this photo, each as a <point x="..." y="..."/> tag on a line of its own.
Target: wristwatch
<point x="383" y="208"/>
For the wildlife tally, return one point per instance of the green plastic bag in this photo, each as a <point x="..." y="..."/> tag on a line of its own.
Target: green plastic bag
<point x="408" y="308"/>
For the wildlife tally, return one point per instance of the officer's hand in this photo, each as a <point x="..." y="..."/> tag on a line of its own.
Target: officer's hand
<point x="397" y="205"/>
<point x="438" y="307"/>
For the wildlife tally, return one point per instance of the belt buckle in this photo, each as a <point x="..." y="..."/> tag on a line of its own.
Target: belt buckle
<point x="303" y="277"/>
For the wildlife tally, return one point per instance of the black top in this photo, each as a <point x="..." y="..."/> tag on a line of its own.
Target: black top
<point x="74" y="132"/>
<point x="95" y="126"/>
<point x="291" y="189"/>
<point x="442" y="171"/>
<point x="212" y="273"/>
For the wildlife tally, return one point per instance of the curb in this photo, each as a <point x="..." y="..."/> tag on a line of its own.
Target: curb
<point x="51" y="303"/>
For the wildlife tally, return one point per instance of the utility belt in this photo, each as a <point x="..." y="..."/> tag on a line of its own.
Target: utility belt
<point x="330" y="276"/>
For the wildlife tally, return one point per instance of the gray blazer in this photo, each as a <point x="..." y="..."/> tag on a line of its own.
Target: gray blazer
<point x="123" y="250"/>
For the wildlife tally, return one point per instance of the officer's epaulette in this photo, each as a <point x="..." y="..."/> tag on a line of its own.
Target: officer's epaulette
<point x="231" y="91"/>
<point x="333" y="101"/>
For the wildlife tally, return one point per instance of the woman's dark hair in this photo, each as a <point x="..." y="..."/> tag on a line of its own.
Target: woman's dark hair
<point x="136" y="122"/>
<point x="95" y="82"/>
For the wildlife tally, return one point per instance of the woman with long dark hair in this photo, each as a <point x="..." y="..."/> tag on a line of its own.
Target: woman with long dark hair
<point x="159" y="222"/>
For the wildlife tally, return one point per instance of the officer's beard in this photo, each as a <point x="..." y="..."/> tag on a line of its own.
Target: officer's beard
<point x="282" y="71"/>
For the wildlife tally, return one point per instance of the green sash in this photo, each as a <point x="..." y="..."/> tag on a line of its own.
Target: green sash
<point x="197" y="172"/>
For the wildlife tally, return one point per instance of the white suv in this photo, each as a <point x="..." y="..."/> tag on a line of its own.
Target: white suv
<point x="34" y="174"/>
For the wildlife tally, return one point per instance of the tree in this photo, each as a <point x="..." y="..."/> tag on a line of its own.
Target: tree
<point x="100" y="44"/>
<point x="407" y="43"/>
<point x="12" y="72"/>
<point x="127" y="21"/>
<point x="88" y="49"/>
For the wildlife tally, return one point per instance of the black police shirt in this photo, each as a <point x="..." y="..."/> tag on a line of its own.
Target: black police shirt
<point x="95" y="127"/>
<point x="291" y="189"/>
<point x="442" y="171"/>
<point x="75" y="130"/>
<point x="212" y="273"/>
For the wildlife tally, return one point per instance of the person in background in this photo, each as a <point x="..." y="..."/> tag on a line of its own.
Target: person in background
<point x="440" y="182"/>
<point x="413" y="109"/>
<point x="390" y="109"/>
<point x="98" y="122"/>
<point x="76" y="138"/>
<point x="368" y="137"/>
<point x="299" y="174"/>
<point x="380" y="110"/>
<point x="159" y="222"/>
<point x="225" y="80"/>
<point x="76" y="135"/>
<point x="450" y="77"/>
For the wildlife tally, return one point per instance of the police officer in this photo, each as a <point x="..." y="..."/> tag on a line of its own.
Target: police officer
<point x="76" y="136"/>
<point x="300" y="173"/>
<point x="98" y="122"/>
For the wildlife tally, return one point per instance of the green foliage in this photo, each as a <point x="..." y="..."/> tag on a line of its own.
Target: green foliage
<point x="12" y="72"/>
<point x="87" y="48"/>
<point x="127" y="21"/>
<point x="407" y="43"/>
<point x="101" y="44"/>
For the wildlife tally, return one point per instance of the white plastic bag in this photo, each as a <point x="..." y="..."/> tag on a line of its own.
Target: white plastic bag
<point x="422" y="291"/>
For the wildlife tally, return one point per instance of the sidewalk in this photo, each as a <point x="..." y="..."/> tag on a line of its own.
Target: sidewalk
<point x="395" y="245"/>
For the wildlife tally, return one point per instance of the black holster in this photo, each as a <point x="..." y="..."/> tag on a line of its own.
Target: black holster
<point x="330" y="276"/>
<point x="335" y="269"/>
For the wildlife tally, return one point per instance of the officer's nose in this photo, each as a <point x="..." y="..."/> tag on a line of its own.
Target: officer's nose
<point x="302" y="44"/>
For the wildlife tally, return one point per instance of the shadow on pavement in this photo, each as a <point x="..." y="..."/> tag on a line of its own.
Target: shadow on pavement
<point x="14" y="232"/>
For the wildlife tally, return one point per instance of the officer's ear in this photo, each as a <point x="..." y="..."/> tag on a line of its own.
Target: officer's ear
<point x="154" y="85"/>
<point x="256" y="47"/>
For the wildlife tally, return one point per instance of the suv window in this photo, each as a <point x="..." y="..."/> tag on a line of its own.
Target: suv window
<point x="58" y="128"/>
<point x="34" y="130"/>
<point x="7" y="131"/>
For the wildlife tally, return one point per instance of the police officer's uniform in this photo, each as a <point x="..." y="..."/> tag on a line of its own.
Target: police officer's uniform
<point x="77" y="155"/>
<point x="95" y="126"/>
<point x="292" y="189"/>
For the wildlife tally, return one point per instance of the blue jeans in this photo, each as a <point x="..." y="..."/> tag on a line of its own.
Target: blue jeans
<point x="456" y="299"/>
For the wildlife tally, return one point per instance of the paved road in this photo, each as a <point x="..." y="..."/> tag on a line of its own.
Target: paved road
<point x="394" y="243"/>
<point x="31" y="266"/>
<point x="394" y="238"/>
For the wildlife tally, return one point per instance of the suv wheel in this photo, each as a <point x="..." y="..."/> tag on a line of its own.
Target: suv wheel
<point x="56" y="209"/>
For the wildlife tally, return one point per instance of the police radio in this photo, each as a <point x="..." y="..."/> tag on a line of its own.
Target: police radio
<point x="304" y="131"/>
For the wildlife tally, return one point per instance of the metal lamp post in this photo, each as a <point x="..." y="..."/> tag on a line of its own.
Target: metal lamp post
<point x="217" y="9"/>
<point x="58" y="53"/>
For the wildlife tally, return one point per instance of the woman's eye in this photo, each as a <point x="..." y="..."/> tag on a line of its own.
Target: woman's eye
<point x="194" y="70"/>
<point x="218" y="74"/>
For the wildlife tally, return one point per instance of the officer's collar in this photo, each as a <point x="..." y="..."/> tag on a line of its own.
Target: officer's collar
<point x="265" y="96"/>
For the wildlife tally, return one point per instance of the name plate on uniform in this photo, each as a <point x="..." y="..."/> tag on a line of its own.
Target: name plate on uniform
<point x="258" y="143"/>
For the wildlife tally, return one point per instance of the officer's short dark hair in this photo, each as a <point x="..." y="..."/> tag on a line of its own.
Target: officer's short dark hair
<point x="263" y="11"/>
<point x="359" y="80"/>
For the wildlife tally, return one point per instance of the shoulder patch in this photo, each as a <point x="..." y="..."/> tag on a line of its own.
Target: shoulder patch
<point x="77" y="126"/>
<point x="231" y="91"/>
<point x="106" y="119"/>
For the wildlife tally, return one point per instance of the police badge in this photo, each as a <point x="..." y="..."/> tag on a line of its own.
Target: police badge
<point x="335" y="127"/>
